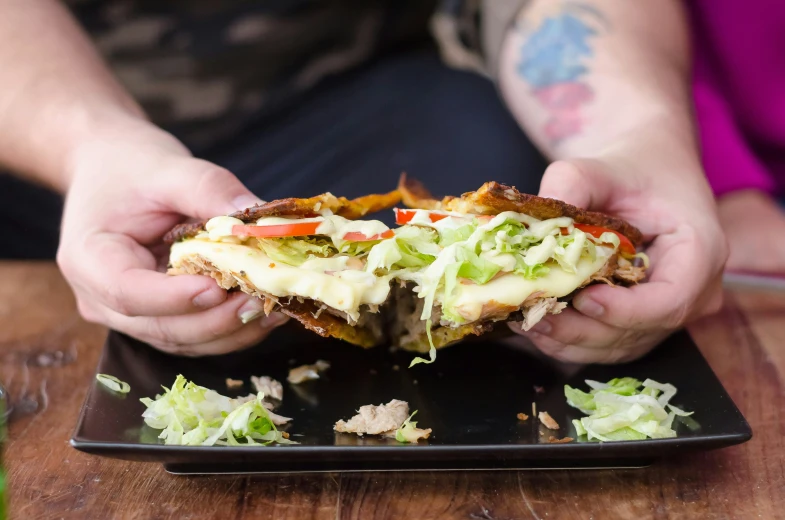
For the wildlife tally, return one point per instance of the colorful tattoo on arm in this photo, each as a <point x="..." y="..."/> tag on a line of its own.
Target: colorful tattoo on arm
<point x="555" y="60"/>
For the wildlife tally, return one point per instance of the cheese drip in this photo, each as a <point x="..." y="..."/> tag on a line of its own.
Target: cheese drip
<point x="345" y="290"/>
<point x="513" y="289"/>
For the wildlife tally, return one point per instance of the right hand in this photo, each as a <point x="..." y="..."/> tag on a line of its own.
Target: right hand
<point x="127" y="188"/>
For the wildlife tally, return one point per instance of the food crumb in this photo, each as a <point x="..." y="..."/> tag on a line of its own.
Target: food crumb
<point x="272" y="264"/>
<point x="396" y="368"/>
<point x="233" y="383"/>
<point x="539" y="389"/>
<point x="522" y="417"/>
<point x="534" y="409"/>
<point x="285" y="435"/>
<point x="307" y="372"/>
<point x="548" y="421"/>
<point x="554" y="440"/>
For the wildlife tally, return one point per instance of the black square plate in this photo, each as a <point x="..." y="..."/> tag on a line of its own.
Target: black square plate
<point x="470" y="398"/>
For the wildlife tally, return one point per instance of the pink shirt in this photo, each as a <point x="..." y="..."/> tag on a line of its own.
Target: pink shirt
<point x="739" y="89"/>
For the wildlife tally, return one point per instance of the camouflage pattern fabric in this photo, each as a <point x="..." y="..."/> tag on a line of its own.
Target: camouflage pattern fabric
<point x="204" y="68"/>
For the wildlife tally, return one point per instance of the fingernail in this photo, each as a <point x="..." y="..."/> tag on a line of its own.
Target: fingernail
<point x="275" y="319"/>
<point x="246" y="201"/>
<point x="588" y="307"/>
<point x="250" y="310"/>
<point x="209" y="298"/>
<point x="543" y="327"/>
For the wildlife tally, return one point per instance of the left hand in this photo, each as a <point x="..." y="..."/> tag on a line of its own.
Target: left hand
<point x="674" y="208"/>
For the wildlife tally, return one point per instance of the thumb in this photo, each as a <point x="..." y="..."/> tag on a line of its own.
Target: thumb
<point x="201" y="189"/>
<point x="577" y="182"/>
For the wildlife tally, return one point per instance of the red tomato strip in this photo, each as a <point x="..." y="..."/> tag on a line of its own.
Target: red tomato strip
<point x="404" y="216"/>
<point x="298" y="229"/>
<point x="625" y="246"/>
<point x="356" y="236"/>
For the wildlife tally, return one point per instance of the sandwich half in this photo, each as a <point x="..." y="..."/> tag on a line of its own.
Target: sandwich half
<point x="302" y="257"/>
<point x="496" y="254"/>
<point x="452" y="268"/>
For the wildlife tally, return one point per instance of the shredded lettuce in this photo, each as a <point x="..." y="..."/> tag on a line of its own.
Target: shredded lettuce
<point x="189" y="414"/>
<point x="408" y="430"/>
<point x="296" y="250"/>
<point x="449" y="236"/>
<point x="431" y="352"/>
<point x="114" y="384"/>
<point x="412" y="247"/>
<point x="475" y="268"/>
<point x="624" y="409"/>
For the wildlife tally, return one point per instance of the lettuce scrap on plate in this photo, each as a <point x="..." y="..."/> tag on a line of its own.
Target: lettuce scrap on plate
<point x="192" y="415"/>
<point x="625" y="409"/>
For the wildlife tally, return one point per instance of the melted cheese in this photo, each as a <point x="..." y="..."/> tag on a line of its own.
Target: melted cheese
<point x="346" y="291"/>
<point x="512" y="289"/>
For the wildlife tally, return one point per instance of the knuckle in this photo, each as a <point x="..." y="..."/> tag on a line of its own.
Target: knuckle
<point x="117" y="300"/>
<point x="162" y="333"/>
<point x="86" y="311"/>
<point x="211" y="176"/>
<point x="64" y="262"/>
<point x="678" y="316"/>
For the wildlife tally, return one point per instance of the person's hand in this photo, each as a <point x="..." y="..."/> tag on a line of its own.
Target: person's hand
<point x="672" y="205"/>
<point x="126" y="190"/>
<point x="754" y="225"/>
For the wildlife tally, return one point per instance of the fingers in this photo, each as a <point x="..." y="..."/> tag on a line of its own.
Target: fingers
<point x="573" y="328"/>
<point x="579" y="354"/>
<point x="574" y="338"/>
<point x="122" y="277"/>
<point x="246" y="336"/>
<point x="573" y="182"/>
<point x="211" y="190"/>
<point x="672" y="295"/>
<point x="237" y="323"/>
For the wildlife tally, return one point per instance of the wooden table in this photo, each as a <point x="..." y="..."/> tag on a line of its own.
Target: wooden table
<point x="49" y="355"/>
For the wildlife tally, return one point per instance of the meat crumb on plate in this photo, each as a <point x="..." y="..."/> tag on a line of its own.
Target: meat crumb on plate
<point x="303" y="373"/>
<point x="548" y="421"/>
<point x="522" y="417"/>
<point x="375" y="420"/>
<point x="233" y="383"/>
<point x="388" y="420"/>
<point x="268" y="386"/>
<point x="554" y="440"/>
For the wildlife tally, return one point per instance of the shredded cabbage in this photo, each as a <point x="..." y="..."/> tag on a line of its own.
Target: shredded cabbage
<point x="408" y="430"/>
<point x="114" y="384"/>
<point x="624" y="409"/>
<point x="189" y="414"/>
<point x="295" y="251"/>
<point x="431" y="352"/>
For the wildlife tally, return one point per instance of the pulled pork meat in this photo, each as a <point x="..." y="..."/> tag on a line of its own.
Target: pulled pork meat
<point x="539" y="309"/>
<point x="376" y="420"/>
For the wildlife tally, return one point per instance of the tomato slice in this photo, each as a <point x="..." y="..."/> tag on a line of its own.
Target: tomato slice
<point x="404" y="216"/>
<point x="625" y="246"/>
<point x="356" y="236"/>
<point x="298" y="229"/>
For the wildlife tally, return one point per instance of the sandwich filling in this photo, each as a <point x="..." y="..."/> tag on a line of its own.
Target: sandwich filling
<point x="458" y="270"/>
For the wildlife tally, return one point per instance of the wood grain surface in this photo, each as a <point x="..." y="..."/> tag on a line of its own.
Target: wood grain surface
<point x="49" y="354"/>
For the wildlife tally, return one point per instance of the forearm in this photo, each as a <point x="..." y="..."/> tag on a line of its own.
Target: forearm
<point x="56" y="92"/>
<point x="580" y="77"/>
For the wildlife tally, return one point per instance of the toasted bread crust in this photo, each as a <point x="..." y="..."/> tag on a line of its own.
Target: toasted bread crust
<point x="350" y="209"/>
<point x="305" y="311"/>
<point x="493" y="198"/>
